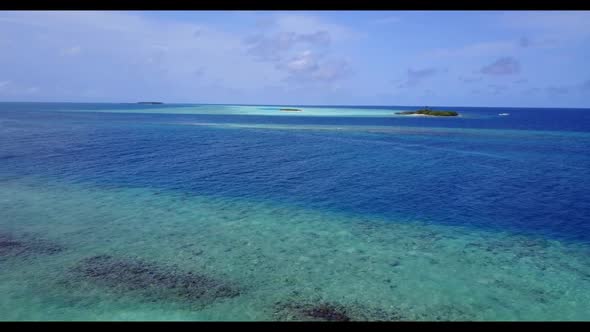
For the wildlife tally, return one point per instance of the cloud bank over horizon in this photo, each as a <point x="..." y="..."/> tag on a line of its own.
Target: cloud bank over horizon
<point x="534" y="59"/>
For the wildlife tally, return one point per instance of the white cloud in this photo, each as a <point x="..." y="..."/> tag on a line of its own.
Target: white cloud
<point x="386" y="20"/>
<point x="303" y="62"/>
<point x="127" y="50"/>
<point x="129" y="56"/>
<point x="415" y="77"/>
<point x="531" y="30"/>
<point x="476" y="49"/>
<point x="333" y="71"/>
<point x="274" y="47"/>
<point x="502" y="66"/>
<point x="71" y="51"/>
<point x="308" y="24"/>
<point x="31" y="90"/>
<point x="307" y="67"/>
<point x="575" y="22"/>
<point x="302" y="47"/>
<point x="15" y="89"/>
<point x="549" y="28"/>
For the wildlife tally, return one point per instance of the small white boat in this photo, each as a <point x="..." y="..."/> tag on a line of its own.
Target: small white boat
<point x="504" y="114"/>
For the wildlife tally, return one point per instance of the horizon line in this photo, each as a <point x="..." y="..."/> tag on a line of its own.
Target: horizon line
<point x="286" y="104"/>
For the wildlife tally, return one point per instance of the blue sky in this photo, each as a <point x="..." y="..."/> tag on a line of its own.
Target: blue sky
<point x="461" y="58"/>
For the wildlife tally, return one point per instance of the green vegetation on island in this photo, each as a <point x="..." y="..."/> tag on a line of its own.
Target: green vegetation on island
<point x="426" y="111"/>
<point x="291" y="110"/>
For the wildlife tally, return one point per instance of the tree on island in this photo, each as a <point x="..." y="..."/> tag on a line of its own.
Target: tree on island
<point x="427" y="111"/>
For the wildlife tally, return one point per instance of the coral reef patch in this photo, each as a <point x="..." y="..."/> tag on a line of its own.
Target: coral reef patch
<point x="153" y="281"/>
<point x="25" y="246"/>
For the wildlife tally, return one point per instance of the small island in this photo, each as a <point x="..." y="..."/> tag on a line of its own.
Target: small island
<point x="150" y="102"/>
<point x="290" y="110"/>
<point x="429" y="112"/>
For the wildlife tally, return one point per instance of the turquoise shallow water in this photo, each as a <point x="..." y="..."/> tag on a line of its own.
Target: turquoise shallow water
<point x="306" y="111"/>
<point x="120" y="216"/>
<point x="276" y="253"/>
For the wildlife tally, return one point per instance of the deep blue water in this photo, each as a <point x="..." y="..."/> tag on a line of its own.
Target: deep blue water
<point x="526" y="173"/>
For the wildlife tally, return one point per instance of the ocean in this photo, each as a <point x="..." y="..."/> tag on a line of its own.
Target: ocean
<point x="246" y="213"/>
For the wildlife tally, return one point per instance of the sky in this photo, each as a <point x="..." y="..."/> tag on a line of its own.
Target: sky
<point x="445" y="58"/>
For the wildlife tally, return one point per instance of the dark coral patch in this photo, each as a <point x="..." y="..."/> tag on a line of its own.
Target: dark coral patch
<point x="25" y="246"/>
<point x="8" y="246"/>
<point x="322" y="311"/>
<point x="328" y="312"/>
<point x="154" y="281"/>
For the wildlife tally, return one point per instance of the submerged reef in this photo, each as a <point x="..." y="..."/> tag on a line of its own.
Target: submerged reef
<point x="322" y="310"/>
<point x="12" y="246"/>
<point x="426" y="111"/>
<point x="154" y="281"/>
<point x="326" y="311"/>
